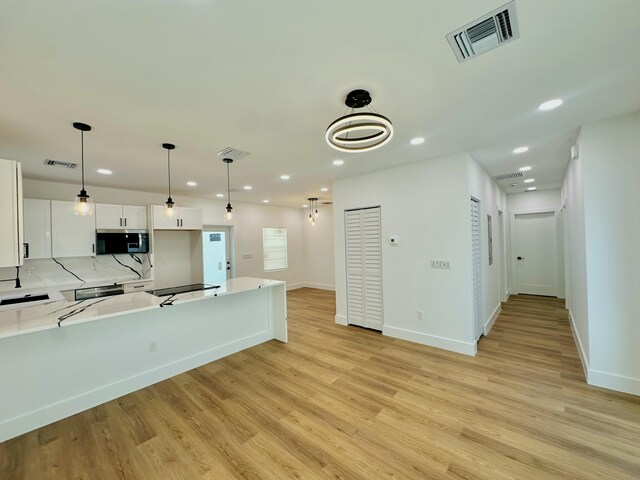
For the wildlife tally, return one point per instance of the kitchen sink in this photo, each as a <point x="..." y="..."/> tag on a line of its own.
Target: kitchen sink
<point x="24" y="299"/>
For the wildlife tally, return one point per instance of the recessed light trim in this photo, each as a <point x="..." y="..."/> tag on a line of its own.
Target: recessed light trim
<point x="304" y="205"/>
<point x="248" y="187"/>
<point x="525" y="169"/>
<point x="265" y="201"/>
<point x="417" y="141"/>
<point x="531" y="189"/>
<point x="530" y="180"/>
<point x="191" y="183"/>
<point x="338" y="162"/>
<point x="220" y="195"/>
<point x="285" y="177"/>
<point x="104" y="171"/>
<point x="324" y="189"/>
<point x="520" y="150"/>
<point x="550" y="104"/>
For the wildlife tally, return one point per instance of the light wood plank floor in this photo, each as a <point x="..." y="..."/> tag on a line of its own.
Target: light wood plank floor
<point x="347" y="403"/>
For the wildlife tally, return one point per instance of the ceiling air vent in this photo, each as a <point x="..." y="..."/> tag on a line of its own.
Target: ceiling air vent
<point x="232" y="153"/>
<point x="508" y="176"/>
<point x="59" y="163"/>
<point x="485" y="33"/>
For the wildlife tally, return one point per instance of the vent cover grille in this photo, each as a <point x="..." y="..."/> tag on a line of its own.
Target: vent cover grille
<point x="486" y="33"/>
<point x="232" y="153"/>
<point x="509" y="176"/>
<point x="59" y="163"/>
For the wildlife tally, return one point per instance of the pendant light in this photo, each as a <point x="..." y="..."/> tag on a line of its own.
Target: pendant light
<point x="374" y="130"/>
<point x="228" y="215"/>
<point x="82" y="201"/>
<point x="313" y="205"/>
<point x="170" y="206"/>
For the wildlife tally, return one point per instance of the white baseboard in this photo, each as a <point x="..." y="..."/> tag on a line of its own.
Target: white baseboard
<point x="619" y="383"/>
<point x="489" y="323"/>
<point x="70" y="406"/>
<point x="583" y="356"/>
<point x="467" y="348"/>
<point x="341" y="319"/>
<point x="320" y="286"/>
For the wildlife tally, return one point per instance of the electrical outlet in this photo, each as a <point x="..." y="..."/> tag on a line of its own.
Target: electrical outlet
<point x="419" y="314"/>
<point x="153" y="346"/>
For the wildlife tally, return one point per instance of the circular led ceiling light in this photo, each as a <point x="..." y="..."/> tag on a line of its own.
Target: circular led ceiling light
<point x="359" y="132"/>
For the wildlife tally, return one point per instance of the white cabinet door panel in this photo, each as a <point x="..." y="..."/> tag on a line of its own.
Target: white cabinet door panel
<point x="37" y="228"/>
<point x="135" y="217"/>
<point x="109" y="216"/>
<point x="190" y="218"/>
<point x="159" y="220"/>
<point x="72" y="235"/>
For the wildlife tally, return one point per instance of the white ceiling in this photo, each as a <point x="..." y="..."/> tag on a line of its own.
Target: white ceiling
<point x="268" y="77"/>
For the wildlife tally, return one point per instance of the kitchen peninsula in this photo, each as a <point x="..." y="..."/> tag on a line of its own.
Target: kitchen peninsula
<point x="62" y="357"/>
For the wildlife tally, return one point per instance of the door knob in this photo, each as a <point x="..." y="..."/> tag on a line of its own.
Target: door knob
<point x="520" y="258"/>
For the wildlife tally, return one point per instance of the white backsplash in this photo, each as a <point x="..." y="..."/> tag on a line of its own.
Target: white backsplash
<point x="78" y="272"/>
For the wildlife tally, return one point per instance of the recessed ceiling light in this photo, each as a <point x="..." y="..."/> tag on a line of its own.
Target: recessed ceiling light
<point x="550" y="105"/>
<point x="104" y="171"/>
<point x="220" y="195"/>
<point x="531" y="189"/>
<point x="324" y="189"/>
<point x="247" y="187"/>
<point x="530" y="180"/>
<point x="417" y="141"/>
<point x="284" y="177"/>
<point x="514" y="184"/>
<point x="192" y="184"/>
<point x="305" y="205"/>
<point x="520" y="149"/>
<point x="338" y="162"/>
<point x="265" y="201"/>
<point x="525" y="169"/>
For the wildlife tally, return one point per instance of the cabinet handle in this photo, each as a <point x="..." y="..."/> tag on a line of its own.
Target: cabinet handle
<point x="26" y="250"/>
<point x="181" y="222"/>
<point x="120" y="222"/>
<point x="125" y="222"/>
<point x="177" y="222"/>
<point x="93" y="247"/>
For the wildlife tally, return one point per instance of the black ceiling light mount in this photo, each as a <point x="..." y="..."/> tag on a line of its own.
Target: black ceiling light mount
<point x="229" y="208"/>
<point x="82" y="201"/>
<point x="359" y="132"/>
<point x="169" y="208"/>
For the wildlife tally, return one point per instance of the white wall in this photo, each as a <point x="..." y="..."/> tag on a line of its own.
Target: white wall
<point x="492" y="198"/>
<point x="318" y="249"/>
<point x="606" y="175"/>
<point x="538" y="201"/>
<point x="427" y="205"/>
<point x="248" y="221"/>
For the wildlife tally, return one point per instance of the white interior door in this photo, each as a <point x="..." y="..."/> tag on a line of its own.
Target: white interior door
<point x="476" y="257"/>
<point x="534" y="249"/>
<point x="364" y="268"/>
<point x="216" y="256"/>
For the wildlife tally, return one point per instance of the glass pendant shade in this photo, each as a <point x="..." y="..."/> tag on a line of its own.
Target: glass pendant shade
<point x="82" y="202"/>
<point x="169" y="208"/>
<point x="229" y="215"/>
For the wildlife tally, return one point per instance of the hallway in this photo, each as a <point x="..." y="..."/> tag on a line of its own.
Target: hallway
<point x="349" y="403"/>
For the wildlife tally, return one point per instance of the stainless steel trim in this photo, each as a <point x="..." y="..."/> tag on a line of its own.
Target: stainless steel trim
<point x="123" y="230"/>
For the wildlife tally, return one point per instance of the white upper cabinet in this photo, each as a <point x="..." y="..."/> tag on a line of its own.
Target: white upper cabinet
<point x="71" y="235"/>
<point x="37" y="228"/>
<point x="185" y="219"/>
<point x="11" y="248"/>
<point x="116" y="217"/>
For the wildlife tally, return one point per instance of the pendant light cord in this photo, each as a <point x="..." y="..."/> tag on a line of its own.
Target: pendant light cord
<point x="82" y="155"/>
<point x="169" y="169"/>
<point x="228" y="186"/>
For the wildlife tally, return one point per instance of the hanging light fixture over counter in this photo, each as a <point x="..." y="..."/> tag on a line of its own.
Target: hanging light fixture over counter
<point x="313" y="210"/>
<point x="82" y="201"/>
<point x="368" y="130"/>
<point x="170" y="206"/>
<point x="229" y="208"/>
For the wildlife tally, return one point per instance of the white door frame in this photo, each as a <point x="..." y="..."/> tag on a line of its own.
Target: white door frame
<point x="231" y="253"/>
<point x="512" y="230"/>
<point x="502" y="255"/>
<point x="478" y="316"/>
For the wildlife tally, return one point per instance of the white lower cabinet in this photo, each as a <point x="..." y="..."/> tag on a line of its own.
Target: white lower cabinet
<point x="71" y="235"/>
<point x="185" y="219"/>
<point x="37" y="228"/>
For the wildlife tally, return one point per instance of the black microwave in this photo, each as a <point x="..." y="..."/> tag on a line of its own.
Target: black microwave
<point x="109" y="242"/>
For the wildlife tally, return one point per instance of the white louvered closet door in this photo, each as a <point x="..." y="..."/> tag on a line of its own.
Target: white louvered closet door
<point x="477" y="267"/>
<point x="364" y="268"/>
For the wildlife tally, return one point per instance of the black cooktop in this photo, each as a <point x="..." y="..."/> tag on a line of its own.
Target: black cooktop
<point x="164" y="292"/>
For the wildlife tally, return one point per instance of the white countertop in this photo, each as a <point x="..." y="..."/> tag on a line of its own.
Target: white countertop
<point x="27" y="319"/>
